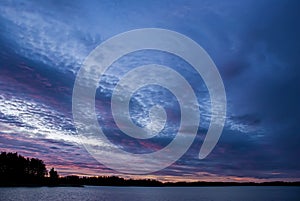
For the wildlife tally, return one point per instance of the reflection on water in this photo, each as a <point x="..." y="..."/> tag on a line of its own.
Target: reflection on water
<point x="91" y="193"/>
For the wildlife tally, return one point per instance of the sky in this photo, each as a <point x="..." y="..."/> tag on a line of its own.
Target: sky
<point x="254" y="44"/>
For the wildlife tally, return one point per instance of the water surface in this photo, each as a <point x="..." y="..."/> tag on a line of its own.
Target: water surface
<point x="93" y="193"/>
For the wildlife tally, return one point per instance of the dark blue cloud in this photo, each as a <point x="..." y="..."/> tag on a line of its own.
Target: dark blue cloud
<point x="255" y="46"/>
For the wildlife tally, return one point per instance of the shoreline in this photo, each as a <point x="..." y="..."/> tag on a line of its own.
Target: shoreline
<point x="282" y="184"/>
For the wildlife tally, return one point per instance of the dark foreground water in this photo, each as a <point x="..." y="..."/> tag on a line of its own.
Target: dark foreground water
<point x="90" y="193"/>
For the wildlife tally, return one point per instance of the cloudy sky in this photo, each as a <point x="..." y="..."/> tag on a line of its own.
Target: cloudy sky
<point x="254" y="45"/>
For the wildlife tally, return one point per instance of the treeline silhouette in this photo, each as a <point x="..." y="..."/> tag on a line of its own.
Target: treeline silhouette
<point x="16" y="170"/>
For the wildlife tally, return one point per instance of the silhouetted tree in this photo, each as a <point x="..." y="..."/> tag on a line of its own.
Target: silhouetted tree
<point x="53" y="174"/>
<point x="37" y="168"/>
<point x="53" y="177"/>
<point x="15" y="169"/>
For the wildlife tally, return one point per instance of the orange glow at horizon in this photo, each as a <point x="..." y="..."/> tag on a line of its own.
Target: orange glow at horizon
<point x="193" y="177"/>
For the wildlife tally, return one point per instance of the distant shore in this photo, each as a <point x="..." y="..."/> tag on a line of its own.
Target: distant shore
<point x="18" y="171"/>
<point x="159" y="184"/>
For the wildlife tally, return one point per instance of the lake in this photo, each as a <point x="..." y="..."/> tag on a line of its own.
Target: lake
<point x="93" y="193"/>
